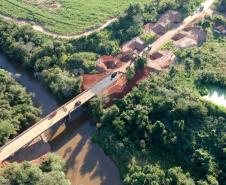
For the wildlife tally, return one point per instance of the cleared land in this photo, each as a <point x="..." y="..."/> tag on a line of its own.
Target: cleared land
<point x="68" y="16"/>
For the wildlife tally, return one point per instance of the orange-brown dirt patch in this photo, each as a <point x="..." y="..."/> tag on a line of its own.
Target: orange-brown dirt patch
<point x="123" y="86"/>
<point x="91" y="79"/>
<point x="36" y="162"/>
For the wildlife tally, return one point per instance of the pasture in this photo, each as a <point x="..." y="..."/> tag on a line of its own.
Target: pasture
<point x="66" y="16"/>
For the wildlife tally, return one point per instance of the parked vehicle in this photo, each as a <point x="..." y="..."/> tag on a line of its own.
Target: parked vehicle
<point x="113" y="75"/>
<point x="64" y="109"/>
<point x="78" y="103"/>
<point x="201" y="8"/>
<point x="149" y="46"/>
<point x="52" y="115"/>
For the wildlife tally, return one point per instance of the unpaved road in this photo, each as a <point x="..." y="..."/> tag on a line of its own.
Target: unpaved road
<point x="190" y="19"/>
<point x="40" y="28"/>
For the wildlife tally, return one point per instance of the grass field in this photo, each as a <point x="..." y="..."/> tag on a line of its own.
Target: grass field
<point x="66" y="16"/>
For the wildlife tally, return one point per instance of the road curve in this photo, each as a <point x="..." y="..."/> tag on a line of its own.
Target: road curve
<point x="40" y="28"/>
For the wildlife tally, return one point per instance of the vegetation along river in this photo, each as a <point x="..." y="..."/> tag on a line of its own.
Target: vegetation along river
<point x="86" y="162"/>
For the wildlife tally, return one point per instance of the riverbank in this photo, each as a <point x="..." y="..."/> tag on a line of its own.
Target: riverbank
<point x="85" y="161"/>
<point x="41" y="96"/>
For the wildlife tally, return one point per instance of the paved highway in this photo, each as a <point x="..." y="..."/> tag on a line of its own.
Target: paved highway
<point x="27" y="136"/>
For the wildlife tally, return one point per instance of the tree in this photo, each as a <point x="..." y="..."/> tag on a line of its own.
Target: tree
<point x="204" y="163"/>
<point x="140" y="64"/>
<point x="148" y="38"/>
<point x="6" y="130"/>
<point x="205" y="24"/>
<point x="17" y="112"/>
<point x="96" y="109"/>
<point x="53" y="163"/>
<point x="130" y="73"/>
<point x="188" y="66"/>
<point x="172" y="71"/>
<point x="54" y="178"/>
<point x="28" y="174"/>
<point x="159" y="134"/>
<point x="146" y="175"/>
<point x="109" y="115"/>
<point x="25" y="174"/>
<point x="62" y="83"/>
<point x="175" y="176"/>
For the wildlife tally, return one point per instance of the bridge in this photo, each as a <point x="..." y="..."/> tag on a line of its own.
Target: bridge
<point x="44" y="124"/>
<point x="47" y="122"/>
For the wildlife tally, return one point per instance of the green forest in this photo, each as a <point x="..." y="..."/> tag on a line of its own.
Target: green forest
<point x="50" y="172"/>
<point x="59" y="64"/>
<point x="163" y="132"/>
<point x="17" y="110"/>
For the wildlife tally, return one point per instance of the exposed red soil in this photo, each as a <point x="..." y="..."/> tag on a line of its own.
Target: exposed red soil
<point x="91" y="79"/>
<point x="123" y="86"/>
<point x="36" y="162"/>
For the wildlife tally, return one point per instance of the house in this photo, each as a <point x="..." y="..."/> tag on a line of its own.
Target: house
<point x="221" y="29"/>
<point x="106" y="62"/>
<point x="189" y="37"/>
<point x="157" y="29"/>
<point x="178" y="36"/>
<point x="185" y="42"/>
<point x="136" y="45"/>
<point x="161" y="60"/>
<point x="160" y="29"/>
<point x="125" y="56"/>
<point x="197" y="34"/>
<point x="171" y="16"/>
<point x="148" y="27"/>
<point x="167" y="21"/>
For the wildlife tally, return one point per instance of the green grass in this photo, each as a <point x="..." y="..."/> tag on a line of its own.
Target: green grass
<point x="72" y="17"/>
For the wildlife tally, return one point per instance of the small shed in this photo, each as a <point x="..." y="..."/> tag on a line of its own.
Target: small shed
<point x="136" y="45"/>
<point x="220" y="29"/>
<point x="185" y="42"/>
<point x="106" y="62"/>
<point x="161" y="60"/>
<point x="125" y="56"/>
<point x="159" y="29"/>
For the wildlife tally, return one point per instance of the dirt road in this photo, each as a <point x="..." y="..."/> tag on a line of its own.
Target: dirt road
<point x="40" y="28"/>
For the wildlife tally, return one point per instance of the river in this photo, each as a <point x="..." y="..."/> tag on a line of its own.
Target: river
<point x="86" y="163"/>
<point x="216" y="95"/>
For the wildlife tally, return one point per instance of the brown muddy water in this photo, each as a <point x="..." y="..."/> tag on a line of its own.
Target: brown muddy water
<point x="86" y="163"/>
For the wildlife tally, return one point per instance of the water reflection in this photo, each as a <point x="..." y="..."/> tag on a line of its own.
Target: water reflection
<point x="41" y="96"/>
<point x="86" y="162"/>
<point x="216" y="95"/>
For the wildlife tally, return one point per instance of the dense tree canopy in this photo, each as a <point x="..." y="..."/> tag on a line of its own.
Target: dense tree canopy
<point x="51" y="172"/>
<point x="17" y="111"/>
<point x="166" y="132"/>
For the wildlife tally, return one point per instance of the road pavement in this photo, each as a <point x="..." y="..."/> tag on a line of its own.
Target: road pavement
<point x="27" y="136"/>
